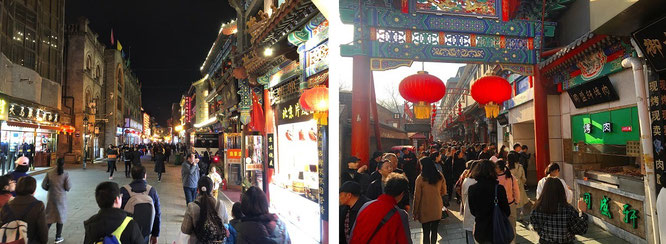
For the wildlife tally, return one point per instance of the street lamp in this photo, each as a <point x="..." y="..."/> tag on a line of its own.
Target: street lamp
<point x="85" y="141"/>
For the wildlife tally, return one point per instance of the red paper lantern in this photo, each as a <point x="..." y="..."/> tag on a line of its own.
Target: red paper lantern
<point x="316" y="100"/>
<point x="490" y="91"/>
<point x="422" y="89"/>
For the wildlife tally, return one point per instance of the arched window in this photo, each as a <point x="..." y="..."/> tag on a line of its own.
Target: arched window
<point x="98" y="72"/>
<point x="88" y="62"/>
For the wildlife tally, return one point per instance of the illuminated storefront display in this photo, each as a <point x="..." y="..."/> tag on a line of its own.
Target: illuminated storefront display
<point x="232" y="159"/>
<point x="254" y="166"/>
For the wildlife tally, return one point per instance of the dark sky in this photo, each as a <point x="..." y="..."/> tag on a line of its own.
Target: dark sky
<point x="169" y="40"/>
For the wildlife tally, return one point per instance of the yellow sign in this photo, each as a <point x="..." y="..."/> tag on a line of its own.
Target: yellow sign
<point x="3" y="109"/>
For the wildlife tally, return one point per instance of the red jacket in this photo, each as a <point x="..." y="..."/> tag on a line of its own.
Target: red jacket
<point x="395" y="230"/>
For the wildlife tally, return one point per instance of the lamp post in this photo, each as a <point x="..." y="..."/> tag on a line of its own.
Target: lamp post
<point x="85" y="141"/>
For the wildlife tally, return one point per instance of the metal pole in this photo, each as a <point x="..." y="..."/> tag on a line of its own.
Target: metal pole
<point x="646" y="141"/>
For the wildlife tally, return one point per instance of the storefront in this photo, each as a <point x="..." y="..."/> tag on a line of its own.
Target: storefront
<point x="28" y="129"/>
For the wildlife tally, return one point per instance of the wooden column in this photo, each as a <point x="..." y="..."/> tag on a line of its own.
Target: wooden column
<point x="360" y="118"/>
<point x="541" y="147"/>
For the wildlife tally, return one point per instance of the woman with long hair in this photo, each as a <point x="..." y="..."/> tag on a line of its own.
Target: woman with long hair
<point x="468" y="219"/>
<point x="511" y="186"/>
<point x="205" y="217"/>
<point x="57" y="183"/>
<point x="258" y="225"/>
<point x="555" y="220"/>
<point x="553" y="171"/>
<point x="518" y="172"/>
<point x="160" y="167"/>
<point x="429" y="189"/>
<point x="503" y="152"/>
<point x="481" y="200"/>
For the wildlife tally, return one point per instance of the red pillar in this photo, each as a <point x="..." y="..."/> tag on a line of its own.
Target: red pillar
<point x="360" y="118"/>
<point x="541" y="152"/>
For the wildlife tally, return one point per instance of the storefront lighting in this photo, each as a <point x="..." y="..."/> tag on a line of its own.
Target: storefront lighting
<point x="316" y="100"/>
<point x="268" y="52"/>
<point x="178" y="128"/>
<point x="205" y="123"/>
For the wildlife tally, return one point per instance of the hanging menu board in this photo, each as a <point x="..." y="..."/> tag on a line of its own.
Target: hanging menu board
<point x="657" y="105"/>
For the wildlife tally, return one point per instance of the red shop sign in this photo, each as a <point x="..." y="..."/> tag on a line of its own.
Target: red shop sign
<point x="626" y="128"/>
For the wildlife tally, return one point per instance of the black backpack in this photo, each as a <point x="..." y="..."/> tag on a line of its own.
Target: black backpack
<point x="213" y="230"/>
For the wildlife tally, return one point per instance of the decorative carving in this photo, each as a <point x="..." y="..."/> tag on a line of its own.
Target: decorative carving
<point x="477" y="8"/>
<point x="381" y="64"/>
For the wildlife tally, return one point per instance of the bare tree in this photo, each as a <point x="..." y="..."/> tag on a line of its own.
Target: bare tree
<point x="392" y="99"/>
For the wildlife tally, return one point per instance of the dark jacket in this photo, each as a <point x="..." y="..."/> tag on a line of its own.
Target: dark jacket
<point x="458" y="168"/>
<point x="372" y="166"/>
<point x="106" y="221"/>
<point x="35" y="218"/>
<point x="266" y="228"/>
<point x="485" y="155"/>
<point x="481" y="204"/>
<point x="140" y="186"/>
<point x="409" y="165"/>
<point x="375" y="190"/>
<point x="136" y="157"/>
<point x="362" y="179"/>
<point x="353" y="212"/>
<point x="159" y="163"/>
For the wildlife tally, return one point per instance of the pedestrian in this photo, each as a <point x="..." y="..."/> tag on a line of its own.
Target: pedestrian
<point x="127" y="158"/>
<point x="468" y="218"/>
<point x="439" y="163"/>
<point x="258" y="225"/>
<point x="457" y="168"/>
<point x="236" y="215"/>
<point x="57" y="183"/>
<point x="404" y="203"/>
<point x="428" y="205"/>
<point x="371" y="226"/>
<point x="409" y="165"/>
<point x="376" y="188"/>
<point x="7" y="186"/>
<point x="351" y="202"/>
<point x="553" y="171"/>
<point x="159" y="163"/>
<point x="353" y="171"/>
<point x="21" y="168"/>
<point x="205" y="218"/>
<point x="481" y="199"/>
<point x="204" y="163"/>
<point x="376" y="158"/>
<point x="554" y="219"/>
<point x="136" y="156"/>
<point x="110" y="218"/>
<point x="27" y="208"/>
<point x="217" y="179"/>
<point x="111" y="155"/>
<point x="517" y="172"/>
<point x="511" y="186"/>
<point x="485" y="152"/>
<point x="150" y="228"/>
<point x="190" y="177"/>
<point x="525" y="157"/>
<point x="167" y="153"/>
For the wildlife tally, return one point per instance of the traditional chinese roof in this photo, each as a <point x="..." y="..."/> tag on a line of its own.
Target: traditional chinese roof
<point x="572" y="50"/>
<point x="285" y="19"/>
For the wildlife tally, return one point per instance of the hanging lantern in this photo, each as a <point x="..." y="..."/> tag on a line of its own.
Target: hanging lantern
<point x="422" y="89"/>
<point x="316" y="100"/>
<point x="491" y="91"/>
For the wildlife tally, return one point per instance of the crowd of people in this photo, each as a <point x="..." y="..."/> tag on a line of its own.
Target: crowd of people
<point x="378" y="198"/>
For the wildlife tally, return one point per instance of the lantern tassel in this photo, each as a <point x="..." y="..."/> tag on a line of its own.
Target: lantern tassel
<point x="422" y="110"/>
<point x="492" y="110"/>
<point x="321" y="117"/>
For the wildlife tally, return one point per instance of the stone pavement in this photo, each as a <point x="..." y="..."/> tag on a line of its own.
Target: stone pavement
<point x="81" y="199"/>
<point x="451" y="232"/>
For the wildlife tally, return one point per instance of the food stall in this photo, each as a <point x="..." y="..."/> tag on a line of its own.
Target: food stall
<point x="232" y="160"/>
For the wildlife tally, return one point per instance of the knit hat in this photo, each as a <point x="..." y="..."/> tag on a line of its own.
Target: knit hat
<point x="23" y="160"/>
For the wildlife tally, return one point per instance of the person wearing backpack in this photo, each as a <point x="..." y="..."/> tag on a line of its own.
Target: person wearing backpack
<point x="205" y="217"/>
<point x="258" y="225"/>
<point x="482" y="197"/>
<point x="57" y="183"/>
<point x="143" y="203"/>
<point x="127" y="158"/>
<point x="24" y="210"/>
<point x="111" y="222"/>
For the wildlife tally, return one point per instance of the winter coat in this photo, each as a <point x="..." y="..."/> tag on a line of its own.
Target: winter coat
<point x="36" y="220"/>
<point x="481" y="204"/>
<point x="4" y="198"/>
<point x="136" y="157"/>
<point x="395" y="230"/>
<point x="192" y="215"/>
<point x="362" y="179"/>
<point x="428" y="202"/>
<point x="266" y="228"/>
<point x="190" y="174"/>
<point x="159" y="163"/>
<point x="376" y="189"/>
<point x="106" y="221"/>
<point x="140" y="186"/>
<point x="519" y="174"/>
<point x="57" y="187"/>
<point x="353" y="212"/>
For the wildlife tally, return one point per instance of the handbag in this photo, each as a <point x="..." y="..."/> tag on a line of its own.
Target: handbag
<point x="502" y="229"/>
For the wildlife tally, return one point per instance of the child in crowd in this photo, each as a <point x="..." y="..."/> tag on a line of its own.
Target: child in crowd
<point x="217" y="179"/>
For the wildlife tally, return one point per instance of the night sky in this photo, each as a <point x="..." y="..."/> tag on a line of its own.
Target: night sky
<point x="167" y="41"/>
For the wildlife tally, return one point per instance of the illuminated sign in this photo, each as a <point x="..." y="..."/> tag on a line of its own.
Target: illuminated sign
<point x="3" y="109"/>
<point x="146" y="124"/>
<point x="233" y="153"/>
<point x="188" y="109"/>
<point x="23" y="112"/>
<point x="270" y="159"/>
<point x="291" y="111"/>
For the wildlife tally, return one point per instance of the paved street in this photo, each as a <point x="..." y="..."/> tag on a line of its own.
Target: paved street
<point x="82" y="205"/>
<point x="451" y="232"/>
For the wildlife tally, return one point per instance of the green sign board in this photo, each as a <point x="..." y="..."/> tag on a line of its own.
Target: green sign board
<point x="617" y="118"/>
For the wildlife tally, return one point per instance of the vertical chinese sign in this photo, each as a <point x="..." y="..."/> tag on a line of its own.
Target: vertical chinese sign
<point x="270" y="153"/>
<point x="322" y="142"/>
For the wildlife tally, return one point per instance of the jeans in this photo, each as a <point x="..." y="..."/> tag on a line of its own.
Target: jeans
<point x="190" y="194"/>
<point x="111" y="167"/>
<point x="159" y="176"/>
<point x="469" y="235"/>
<point x="58" y="229"/>
<point x="128" y="168"/>
<point x="430" y="232"/>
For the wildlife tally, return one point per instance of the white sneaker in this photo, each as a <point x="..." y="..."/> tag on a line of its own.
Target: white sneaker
<point x="59" y="240"/>
<point x="111" y="178"/>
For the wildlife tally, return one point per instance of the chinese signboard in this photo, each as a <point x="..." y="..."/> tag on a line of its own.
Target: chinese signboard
<point x="656" y="103"/>
<point x="594" y="92"/>
<point x="291" y="112"/>
<point x="146" y="124"/>
<point x="481" y="8"/>
<point x="616" y="209"/>
<point x="652" y="40"/>
<point x="3" y="109"/>
<point x="22" y="111"/>
<point x="188" y="109"/>
<point x="270" y="153"/>
<point x="233" y="153"/>
<point x="322" y="147"/>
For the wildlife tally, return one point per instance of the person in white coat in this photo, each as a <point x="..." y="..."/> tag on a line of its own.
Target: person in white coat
<point x="553" y="171"/>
